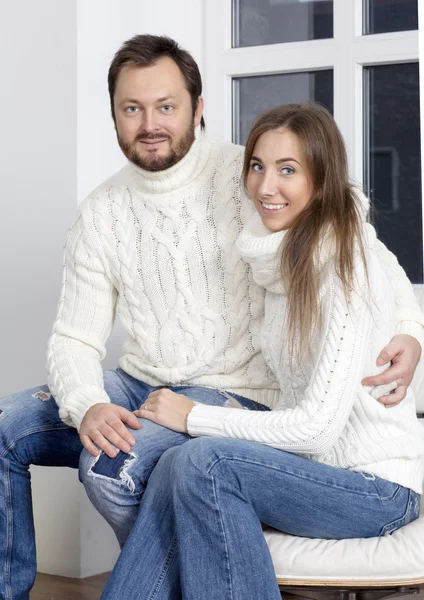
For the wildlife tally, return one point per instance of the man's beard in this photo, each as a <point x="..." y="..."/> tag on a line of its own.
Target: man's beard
<point x="151" y="161"/>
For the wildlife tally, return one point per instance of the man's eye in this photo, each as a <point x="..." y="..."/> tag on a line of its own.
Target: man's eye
<point x="167" y="108"/>
<point x="131" y="109"/>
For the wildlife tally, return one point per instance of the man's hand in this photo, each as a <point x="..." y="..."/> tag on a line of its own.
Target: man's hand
<point x="103" y="425"/>
<point x="166" y="408"/>
<point x="404" y="352"/>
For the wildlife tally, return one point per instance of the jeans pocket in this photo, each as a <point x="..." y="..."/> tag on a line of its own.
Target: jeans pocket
<point x="411" y="513"/>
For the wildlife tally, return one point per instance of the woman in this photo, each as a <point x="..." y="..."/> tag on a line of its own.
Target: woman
<point x="329" y="461"/>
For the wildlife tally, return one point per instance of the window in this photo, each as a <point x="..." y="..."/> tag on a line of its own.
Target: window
<point x="381" y="16"/>
<point x="256" y="22"/>
<point x="392" y="169"/>
<point x="360" y="59"/>
<point x="249" y="99"/>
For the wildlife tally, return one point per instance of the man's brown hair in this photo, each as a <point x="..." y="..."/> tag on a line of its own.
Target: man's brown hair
<point x="144" y="51"/>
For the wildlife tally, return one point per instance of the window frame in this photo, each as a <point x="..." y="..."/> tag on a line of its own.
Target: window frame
<point x="347" y="53"/>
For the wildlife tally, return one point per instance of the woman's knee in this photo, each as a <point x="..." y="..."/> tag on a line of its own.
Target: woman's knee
<point x="204" y="460"/>
<point x="194" y="461"/>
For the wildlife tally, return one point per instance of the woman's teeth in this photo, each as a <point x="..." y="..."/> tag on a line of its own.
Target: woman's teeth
<point x="274" y="206"/>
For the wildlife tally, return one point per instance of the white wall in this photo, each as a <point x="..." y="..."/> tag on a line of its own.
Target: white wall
<point x="39" y="181"/>
<point x="58" y="143"/>
<point x="102" y="27"/>
<point x="38" y="177"/>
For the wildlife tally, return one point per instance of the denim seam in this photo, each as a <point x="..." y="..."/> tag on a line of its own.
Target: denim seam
<point x="29" y="432"/>
<point x="9" y="533"/>
<point x="165" y="569"/>
<point x="390" y="497"/>
<point x="293" y="474"/>
<point x="221" y="522"/>
<point x="404" y="520"/>
<point x="230" y="583"/>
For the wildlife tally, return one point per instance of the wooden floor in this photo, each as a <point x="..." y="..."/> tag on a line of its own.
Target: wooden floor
<point x="52" y="587"/>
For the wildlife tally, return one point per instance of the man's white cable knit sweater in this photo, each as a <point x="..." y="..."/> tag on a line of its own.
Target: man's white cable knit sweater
<point x="158" y="249"/>
<point x="324" y="412"/>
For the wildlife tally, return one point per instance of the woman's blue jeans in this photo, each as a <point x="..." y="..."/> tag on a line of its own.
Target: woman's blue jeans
<point x="31" y="432"/>
<point x="198" y="533"/>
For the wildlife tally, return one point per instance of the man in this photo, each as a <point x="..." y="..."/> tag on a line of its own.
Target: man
<point x="155" y="245"/>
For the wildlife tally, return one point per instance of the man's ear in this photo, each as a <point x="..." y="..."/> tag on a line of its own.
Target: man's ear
<point x="198" y="113"/>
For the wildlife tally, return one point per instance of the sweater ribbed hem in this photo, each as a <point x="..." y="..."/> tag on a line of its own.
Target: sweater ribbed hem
<point x="77" y="402"/>
<point x="208" y="421"/>
<point x="411" y="328"/>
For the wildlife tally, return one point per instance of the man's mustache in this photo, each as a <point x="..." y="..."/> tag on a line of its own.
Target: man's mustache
<point x="152" y="136"/>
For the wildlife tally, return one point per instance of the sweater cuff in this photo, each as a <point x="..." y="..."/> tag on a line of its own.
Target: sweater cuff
<point x="77" y="402"/>
<point x="207" y="420"/>
<point x="411" y="328"/>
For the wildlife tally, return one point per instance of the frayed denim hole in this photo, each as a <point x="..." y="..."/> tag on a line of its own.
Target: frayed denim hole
<point x="114" y="468"/>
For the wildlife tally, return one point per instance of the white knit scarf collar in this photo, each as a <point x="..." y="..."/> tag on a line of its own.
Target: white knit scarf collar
<point x="176" y="177"/>
<point x="261" y="248"/>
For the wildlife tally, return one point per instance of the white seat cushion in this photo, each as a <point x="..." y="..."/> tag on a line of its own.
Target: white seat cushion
<point x="395" y="558"/>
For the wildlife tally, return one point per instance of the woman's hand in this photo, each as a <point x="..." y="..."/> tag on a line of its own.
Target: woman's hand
<point x="166" y="408"/>
<point x="403" y="352"/>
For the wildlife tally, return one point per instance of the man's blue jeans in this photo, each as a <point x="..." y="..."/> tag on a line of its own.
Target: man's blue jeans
<point x="115" y="486"/>
<point x="198" y="533"/>
<point x="31" y="432"/>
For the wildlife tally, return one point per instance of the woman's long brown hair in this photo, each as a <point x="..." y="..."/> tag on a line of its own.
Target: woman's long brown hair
<point x="332" y="208"/>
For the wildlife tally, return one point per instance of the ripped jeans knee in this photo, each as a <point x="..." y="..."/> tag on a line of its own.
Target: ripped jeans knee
<point x="113" y="490"/>
<point x="113" y="468"/>
<point x="116" y="485"/>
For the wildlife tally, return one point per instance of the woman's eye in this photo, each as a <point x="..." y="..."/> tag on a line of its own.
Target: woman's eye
<point x="287" y="170"/>
<point x="256" y="167"/>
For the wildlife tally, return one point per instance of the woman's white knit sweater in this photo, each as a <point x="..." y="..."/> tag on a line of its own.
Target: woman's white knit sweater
<point x="324" y="412"/>
<point x="158" y="249"/>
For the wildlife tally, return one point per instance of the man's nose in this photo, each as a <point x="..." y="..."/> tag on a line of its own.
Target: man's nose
<point x="150" y="122"/>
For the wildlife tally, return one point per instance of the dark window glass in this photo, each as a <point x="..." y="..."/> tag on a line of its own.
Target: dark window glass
<point x="261" y="22"/>
<point x="382" y="16"/>
<point x="392" y="161"/>
<point x="254" y="95"/>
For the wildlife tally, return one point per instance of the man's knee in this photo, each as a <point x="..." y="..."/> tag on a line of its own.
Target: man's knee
<point x="24" y="414"/>
<point x="102" y="472"/>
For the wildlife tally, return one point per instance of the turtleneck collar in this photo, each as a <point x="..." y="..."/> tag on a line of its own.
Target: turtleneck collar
<point x="261" y="248"/>
<point x="176" y="177"/>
